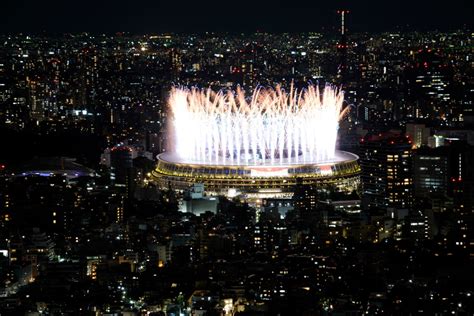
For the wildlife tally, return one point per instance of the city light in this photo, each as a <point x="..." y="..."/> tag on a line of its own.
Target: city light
<point x="272" y="126"/>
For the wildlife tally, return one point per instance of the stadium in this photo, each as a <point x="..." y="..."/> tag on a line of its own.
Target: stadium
<point x="258" y="147"/>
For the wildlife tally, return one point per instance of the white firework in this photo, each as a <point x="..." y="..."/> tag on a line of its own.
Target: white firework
<point x="272" y="126"/>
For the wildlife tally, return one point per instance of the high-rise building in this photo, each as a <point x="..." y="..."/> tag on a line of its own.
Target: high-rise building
<point x="121" y="163"/>
<point x="429" y="86"/>
<point x="305" y="197"/>
<point x="445" y="171"/>
<point x="462" y="178"/>
<point x="419" y="225"/>
<point x="342" y="47"/>
<point x="176" y="62"/>
<point x="430" y="172"/>
<point x="418" y="134"/>
<point x="386" y="163"/>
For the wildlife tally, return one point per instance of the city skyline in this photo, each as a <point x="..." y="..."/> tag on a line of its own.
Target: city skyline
<point x="194" y="173"/>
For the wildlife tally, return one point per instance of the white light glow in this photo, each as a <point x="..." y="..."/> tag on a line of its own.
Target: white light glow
<point x="272" y="126"/>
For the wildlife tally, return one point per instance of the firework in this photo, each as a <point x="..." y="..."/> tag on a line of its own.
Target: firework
<point x="272" y="126"/>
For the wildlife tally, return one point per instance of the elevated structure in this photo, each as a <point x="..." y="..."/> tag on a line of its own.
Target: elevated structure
<point x="342" y="46"/>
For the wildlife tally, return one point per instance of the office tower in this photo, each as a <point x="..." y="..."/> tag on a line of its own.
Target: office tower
<point x="428" y="81"/>
<point x="418" y="134"/>
<point x="121" y="163"/>
<point x="430" y="172"/>
<point x="386" y="162"/>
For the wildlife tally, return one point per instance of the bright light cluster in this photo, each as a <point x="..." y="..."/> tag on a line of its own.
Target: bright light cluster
<point x="272" y="126"/>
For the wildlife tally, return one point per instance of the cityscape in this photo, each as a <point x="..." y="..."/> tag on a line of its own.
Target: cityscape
<point x="242" y="170"/>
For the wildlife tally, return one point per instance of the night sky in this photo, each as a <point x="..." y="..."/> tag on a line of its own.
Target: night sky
<point x="140" y="16"/>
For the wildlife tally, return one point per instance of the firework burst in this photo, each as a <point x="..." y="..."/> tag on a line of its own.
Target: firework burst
<point x="272" y="126"/>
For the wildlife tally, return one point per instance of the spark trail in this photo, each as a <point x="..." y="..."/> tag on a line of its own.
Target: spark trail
<point x="272" y="126"/>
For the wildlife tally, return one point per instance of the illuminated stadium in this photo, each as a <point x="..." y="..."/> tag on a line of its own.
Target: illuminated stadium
<point x="258" y="146"/>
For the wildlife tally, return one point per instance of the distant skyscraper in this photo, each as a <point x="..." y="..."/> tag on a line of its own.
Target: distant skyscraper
<point x="446" y="170"/>
<point x="248" y="66"/>
<point x="430" y="172"/>
<point x="176" y="62"/>
<point x="429" y="80"/>
<point x="418" y="134"/>
<point x="462" y="177"/>
<point x="386" y="162"/>
<point x="342" y="47"/>
<point x="121" y="163"/>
